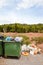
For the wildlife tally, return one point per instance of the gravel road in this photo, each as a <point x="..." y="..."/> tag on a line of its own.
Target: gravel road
<point x="24" y="60"/>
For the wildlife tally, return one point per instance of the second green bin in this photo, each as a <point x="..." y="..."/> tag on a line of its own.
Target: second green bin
<point x="1" y="49"/>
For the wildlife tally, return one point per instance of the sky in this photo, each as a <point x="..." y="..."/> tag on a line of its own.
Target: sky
<point x="21" y="11"/>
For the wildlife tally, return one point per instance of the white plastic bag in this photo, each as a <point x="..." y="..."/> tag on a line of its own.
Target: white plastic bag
<point x="23" y="47"/>
<point x="18" y="39"/>
<point x="32" y="52"/>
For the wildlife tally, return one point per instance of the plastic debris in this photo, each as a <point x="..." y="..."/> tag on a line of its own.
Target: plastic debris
<point x="32" y="49"/>
<point x="24" y="47"/>
<point x="32" y="52"/>
<point x="9" y="38"/>
<point x="18" y="39"/>
<point x="25" y="53"/>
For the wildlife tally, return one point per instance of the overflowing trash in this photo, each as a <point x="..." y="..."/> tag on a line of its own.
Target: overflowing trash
<point x="9" y="38"/>
<point x="25" y="49"/>
<point x="18" y="39"/>
<point x="30" y="49"/>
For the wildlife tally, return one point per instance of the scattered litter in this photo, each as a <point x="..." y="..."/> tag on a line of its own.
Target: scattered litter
<point x="32" y="52"/>
<point x="25" y="53"/>
<point x="32" y="49"/>
<point x="24" y="47"/>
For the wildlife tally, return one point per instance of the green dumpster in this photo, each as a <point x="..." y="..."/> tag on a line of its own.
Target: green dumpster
<point x="12" y="48"/>
<point x="1" y="49"/>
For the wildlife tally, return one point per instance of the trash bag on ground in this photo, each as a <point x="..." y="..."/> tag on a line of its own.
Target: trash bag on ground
<point x="24" y="47"/>
<point x="24" y="50"/>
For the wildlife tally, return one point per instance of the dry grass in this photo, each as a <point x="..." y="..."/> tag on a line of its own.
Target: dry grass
<point x="27" y="34"/>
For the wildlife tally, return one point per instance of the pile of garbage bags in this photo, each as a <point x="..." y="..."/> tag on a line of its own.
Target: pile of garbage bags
<point x="16" y="39"/>
<point x="31" y="49"/>
<point x="9" y="38"/>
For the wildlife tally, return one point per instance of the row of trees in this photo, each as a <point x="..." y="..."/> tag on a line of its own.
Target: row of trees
<point x="21" y="28"/>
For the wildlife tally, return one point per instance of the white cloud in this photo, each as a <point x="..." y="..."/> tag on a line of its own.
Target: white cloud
<point x="9" y="18"/>
<point x="29" y="20"/>
<point x="2" y="3"/>
<point x="14" y="18"/>
<point x="29" y="3"/>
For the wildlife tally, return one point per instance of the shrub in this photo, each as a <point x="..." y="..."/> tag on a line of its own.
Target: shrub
<point x="25" y="39"/>
<point x="38" y="40"/>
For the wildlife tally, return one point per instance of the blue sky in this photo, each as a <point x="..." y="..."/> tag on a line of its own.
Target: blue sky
<point x="21" y="11"/>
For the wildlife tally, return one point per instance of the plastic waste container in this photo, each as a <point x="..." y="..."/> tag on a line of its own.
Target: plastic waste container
<point x="12" y="48"/>
<point x="1" y="49"/>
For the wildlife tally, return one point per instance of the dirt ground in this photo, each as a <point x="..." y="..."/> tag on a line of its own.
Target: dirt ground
<point x="2" y="61"/>
<point x="27" y="34"/>
<point x="23" y="60"/>
<point x="40" y="46"/>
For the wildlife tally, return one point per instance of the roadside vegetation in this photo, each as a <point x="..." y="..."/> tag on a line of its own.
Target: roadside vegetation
<point x="22" y="28"/>
<point x="38" y="40"/>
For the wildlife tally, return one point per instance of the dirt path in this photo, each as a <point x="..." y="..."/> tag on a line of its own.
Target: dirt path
<point x="2" y="61"/>
<point x="24" y="60"/>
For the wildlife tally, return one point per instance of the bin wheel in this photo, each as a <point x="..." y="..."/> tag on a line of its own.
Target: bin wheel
<point x="19" y="57"/>
<point x="5" y="56"/>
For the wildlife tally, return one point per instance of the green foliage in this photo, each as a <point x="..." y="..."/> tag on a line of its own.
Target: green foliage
<point x="26" y="41"/>
<point x="21" y="28"/>
<point x="1" y="28"/>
